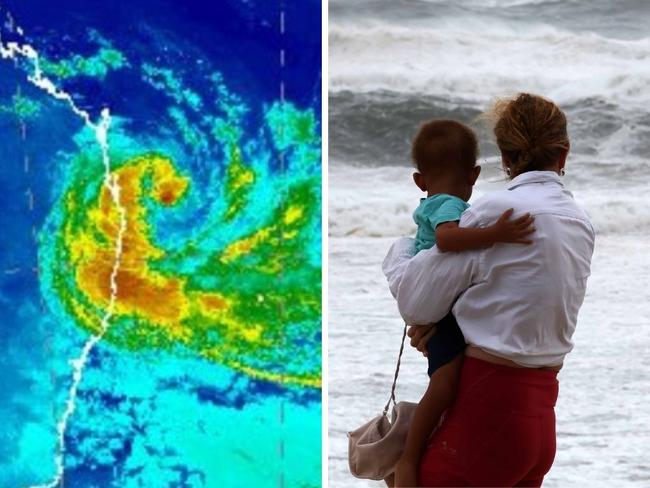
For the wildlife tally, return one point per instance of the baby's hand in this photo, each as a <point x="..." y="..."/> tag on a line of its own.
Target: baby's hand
<point x="420" y="335"/>
<point x="515" y="231"/>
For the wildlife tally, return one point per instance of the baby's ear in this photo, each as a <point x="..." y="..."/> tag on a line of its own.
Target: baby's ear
<point x="473" y="175"/>
<point x="419" y="181"/>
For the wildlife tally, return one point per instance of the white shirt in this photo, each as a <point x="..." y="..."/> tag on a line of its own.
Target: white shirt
<point x="518" y="302"/>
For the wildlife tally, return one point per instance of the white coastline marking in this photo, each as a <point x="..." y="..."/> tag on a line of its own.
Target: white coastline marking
<point x="13" y="50"/>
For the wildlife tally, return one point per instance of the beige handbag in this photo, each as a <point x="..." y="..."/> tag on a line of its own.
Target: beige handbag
<point x="375" y="447"/>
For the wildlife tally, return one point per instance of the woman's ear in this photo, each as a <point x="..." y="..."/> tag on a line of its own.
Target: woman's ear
<point x="562" y="160"/>
<point x="419" y="181"/>
<point x="505" y="162"/>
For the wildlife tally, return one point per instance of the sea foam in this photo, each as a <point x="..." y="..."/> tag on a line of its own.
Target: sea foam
<point x="454" y="62"/>
<point x="379" y="202"/>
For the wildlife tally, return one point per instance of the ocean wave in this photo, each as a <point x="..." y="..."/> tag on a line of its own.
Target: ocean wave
<point x="379" y="202"/>
<point x="377" y="128"/>
<point x="512" y="3"/>
<point x="476" y="59"/>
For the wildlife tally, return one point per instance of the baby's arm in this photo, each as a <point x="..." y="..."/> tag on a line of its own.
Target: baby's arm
<point x="451" y="237"/>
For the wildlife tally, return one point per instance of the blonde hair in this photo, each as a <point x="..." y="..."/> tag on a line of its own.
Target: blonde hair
<point x="530" y="131"/>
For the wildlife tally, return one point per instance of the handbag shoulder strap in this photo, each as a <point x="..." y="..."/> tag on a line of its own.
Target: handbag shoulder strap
<point x="399" y="360"/>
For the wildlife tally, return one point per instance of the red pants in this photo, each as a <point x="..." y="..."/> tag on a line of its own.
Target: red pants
<point x="499" y="432"/>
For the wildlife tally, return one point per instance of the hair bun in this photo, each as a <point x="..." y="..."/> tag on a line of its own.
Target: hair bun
<point x="530" y="131"/>
<point x="524" y="159"/>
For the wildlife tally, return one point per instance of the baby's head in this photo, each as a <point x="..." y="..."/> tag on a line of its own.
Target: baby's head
<point x="444" y="153"/>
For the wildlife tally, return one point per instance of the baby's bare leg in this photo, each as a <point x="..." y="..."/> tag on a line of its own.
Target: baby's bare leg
<point x="440" y="393"/>
<point x="390" y="480"/>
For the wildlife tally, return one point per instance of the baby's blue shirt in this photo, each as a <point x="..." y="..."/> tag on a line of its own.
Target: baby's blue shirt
<point x="433" y="211"/>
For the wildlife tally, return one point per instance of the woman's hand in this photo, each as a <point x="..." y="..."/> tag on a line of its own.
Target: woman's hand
<point x="420" y="335"/>
<point x="406" y="474"/>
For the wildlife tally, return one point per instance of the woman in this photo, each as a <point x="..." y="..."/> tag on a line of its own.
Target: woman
<point x="516" y="306"/>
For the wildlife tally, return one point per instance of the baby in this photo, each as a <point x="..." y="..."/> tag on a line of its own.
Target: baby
<point x="445" y="153"/>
